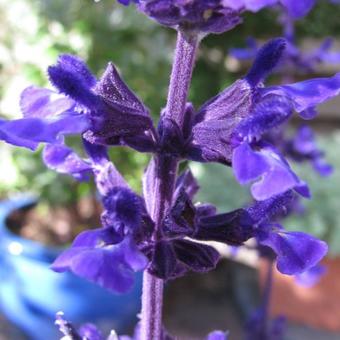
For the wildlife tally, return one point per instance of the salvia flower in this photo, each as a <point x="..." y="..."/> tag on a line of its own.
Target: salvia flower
<point x="125" y="238"/>
<point x="104" y="111"/>
<point x="229" y="128"/>
<point x="295" y="251"/>
<point x="194" y="16"/>
<point x="109" y="255"/>
<point x="210" y="16"/>
<point x="104" y="256"/>
<point x="295" y="60"/>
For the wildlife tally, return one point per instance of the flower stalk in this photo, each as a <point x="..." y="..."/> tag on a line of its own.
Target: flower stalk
<point x="183" y="65"/>
<point x="165" y="178"/>
<point x="152" y="298"/>
<point x="163" y="230"/>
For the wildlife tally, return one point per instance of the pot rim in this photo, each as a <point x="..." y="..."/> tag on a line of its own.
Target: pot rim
<point x="17" y="245"/>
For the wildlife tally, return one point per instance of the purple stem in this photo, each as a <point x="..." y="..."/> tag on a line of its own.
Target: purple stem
<point x="152" y="304"/>
<point x="165" y="178"/>
<point x="152" y="298"/>
<point x="289" y="28"/>
<point x="267" y="295"/>
<point x="180" y="80"/>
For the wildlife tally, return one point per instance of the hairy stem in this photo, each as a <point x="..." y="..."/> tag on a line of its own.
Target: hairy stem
<point x="152" y="299"/>
<point x="164" y="182"/>
<point x="183" y="65"/>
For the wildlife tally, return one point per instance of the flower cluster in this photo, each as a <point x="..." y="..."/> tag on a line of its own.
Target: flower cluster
<point x="210" y="16"/>
<point x="303" y="146"/>
<point x="163" y="232"/>
<point x="227" y="129"/>
<point x="230" y="127"/>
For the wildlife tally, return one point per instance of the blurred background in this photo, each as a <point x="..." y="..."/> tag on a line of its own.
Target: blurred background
<point x="32" y="34"/>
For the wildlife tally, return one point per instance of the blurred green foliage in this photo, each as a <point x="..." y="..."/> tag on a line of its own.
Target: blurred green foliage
<point x="34" y="32"/>
<point x="219" y="187"/>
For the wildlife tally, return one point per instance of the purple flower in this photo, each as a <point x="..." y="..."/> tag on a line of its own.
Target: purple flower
<point x="105" y="257"/>
<point x="104" y="112"/>
<point x="295" y="60"/>
<point x="303" y="147"/>
<point x="268" y="168"/>
<point x="127" y="228"/>
<point x="295" y="251"/>
<point x="228" y="128"/>
<point x="63" y="159"/>
<point x="110" y="255"/>
<point x="39" y="123"/>
<point x="210" y="16"/>
<point x="194" y="16"/>
<point x="173" y="255"/>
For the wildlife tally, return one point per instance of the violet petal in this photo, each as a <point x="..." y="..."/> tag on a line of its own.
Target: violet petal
<point x="309" y="93"/>
<point x="41" y="103"/>
<point x="296" y="251"/>
<point x="29" y="132"/>
<point x="64" y="160"/>
<point x="275" y="174"/>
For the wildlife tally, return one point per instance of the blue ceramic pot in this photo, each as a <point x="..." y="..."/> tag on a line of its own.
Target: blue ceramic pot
<point x="31" y="293"/>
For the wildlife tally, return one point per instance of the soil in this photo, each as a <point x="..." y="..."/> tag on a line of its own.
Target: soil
<point x="55" y="226"/>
